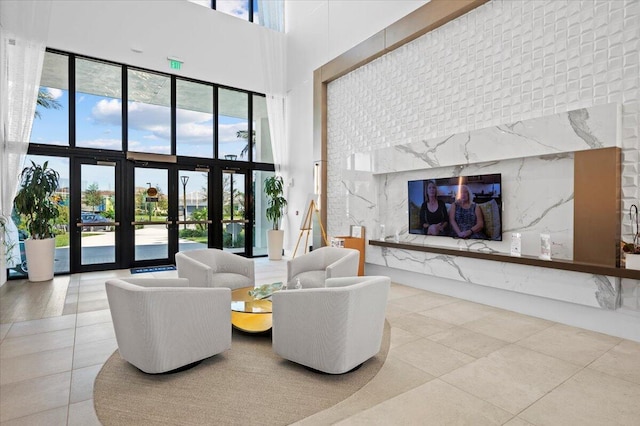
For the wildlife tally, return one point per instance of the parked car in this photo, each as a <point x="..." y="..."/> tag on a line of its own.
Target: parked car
<point x="22" y="267"/>
<point x="94" y="222"/>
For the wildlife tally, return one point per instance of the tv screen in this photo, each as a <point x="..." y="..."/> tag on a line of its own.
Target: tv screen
<point x="468" y="207"/>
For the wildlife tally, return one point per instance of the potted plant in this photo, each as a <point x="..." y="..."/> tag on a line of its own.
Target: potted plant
<point x="274" y="188"/>
<point x="34" y="202"/>
<point x="632" y="250"/>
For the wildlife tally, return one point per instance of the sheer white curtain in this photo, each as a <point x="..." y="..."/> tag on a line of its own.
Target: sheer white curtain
<point x="271" y="13"/>
<point x="24" y="27"/>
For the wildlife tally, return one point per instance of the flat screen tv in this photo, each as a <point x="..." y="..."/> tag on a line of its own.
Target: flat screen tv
<point x="468" y="207"/>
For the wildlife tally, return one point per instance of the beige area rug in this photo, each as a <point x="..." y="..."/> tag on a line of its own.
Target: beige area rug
<point x="247" y="385"/>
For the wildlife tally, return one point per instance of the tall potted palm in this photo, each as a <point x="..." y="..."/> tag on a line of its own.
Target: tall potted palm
<point x="274" y="189"/>
<point x="34" y="202"/>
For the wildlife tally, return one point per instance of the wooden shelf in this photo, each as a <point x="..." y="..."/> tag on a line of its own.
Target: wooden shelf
<point x="358" y="244"/>
<point x="566" y="265"/>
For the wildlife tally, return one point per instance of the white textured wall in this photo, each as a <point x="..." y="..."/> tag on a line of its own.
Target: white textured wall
<point x="501" y="63"/>
<point x="317" y="32"/>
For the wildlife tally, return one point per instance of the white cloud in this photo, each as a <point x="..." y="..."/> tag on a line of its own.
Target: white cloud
<point x="227" y="132"/>
<point x="195" y="131"/>
<point x="154" y="121"/>
<point x="102" y="144"/>
<point x="138" y="146"/>
<point x="150" y="118"/>
<point x="54" y="93"/>
<point x="107" y="112"/>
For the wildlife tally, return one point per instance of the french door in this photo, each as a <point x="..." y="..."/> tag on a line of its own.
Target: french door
<point x="96" y="214"/>
<point x="179" y="208"/>
<point x="126" y="214"/>
<point x="236" y="218"/>
<point x="152" y="213"/>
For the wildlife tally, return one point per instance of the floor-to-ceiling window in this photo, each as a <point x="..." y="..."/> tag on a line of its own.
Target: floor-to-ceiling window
<point x="209" y="150"/>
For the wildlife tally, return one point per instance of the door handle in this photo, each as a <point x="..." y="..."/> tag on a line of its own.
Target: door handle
<point x="193" y="222"/>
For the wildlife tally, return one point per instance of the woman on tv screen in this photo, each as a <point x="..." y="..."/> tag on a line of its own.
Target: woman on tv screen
<point x="434" y="218"/>
<point x="466" y="217"/>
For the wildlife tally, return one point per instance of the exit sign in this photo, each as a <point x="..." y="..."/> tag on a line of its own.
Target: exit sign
<point x="175" y="65"/>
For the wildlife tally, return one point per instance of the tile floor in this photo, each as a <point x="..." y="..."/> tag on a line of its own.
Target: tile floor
<point x="451" y="362"/>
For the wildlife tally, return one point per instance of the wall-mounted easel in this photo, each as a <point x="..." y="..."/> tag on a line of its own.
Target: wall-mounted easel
<point x="305" y="226"/>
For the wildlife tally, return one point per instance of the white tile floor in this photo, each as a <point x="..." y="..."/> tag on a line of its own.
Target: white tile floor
<point x="450" y="362"/>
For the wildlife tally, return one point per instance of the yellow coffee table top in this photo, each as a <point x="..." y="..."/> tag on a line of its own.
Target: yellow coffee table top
<point x="248" y="314"/>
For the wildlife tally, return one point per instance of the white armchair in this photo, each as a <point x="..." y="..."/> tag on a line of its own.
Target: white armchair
<point x="215" y="268"/>
<point x="163" y="324"/>
<point x="332" y="329"/>
<point x="315" y="267"/>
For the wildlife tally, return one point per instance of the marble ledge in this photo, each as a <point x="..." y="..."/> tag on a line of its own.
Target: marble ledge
<point x="565" y="265"/>
<point x="578" y="130"/>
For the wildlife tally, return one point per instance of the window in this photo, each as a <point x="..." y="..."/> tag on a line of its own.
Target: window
<point x="262" y="149"/>
<point x="149" y="112"/>
<point x="194" y="119"/>
<point x="205" y="3"/>
<point x="237" y="8"/>
<point x="247" y="10"/>
<point x="98" y="105"/>
<point x="260" y="224"/>
<point x="51" y="122"/>
<point x="233" y="125"/>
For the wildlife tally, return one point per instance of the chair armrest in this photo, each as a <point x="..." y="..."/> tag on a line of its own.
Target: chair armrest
<point x="311" y="261"/>
<point x="344" y="267"/>
<point x="237" y="264"/>
<point x="346" y="281"/>
<point x="305" y="309"/>
<point x="158" y="282"/>
<point x="198" y="274"/>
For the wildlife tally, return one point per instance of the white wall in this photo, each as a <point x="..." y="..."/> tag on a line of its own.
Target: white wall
<point x="317" y="32"/>
<point x="214" y="46"/>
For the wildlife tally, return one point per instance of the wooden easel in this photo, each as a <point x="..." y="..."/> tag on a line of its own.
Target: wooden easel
<point x="305" y="226"/>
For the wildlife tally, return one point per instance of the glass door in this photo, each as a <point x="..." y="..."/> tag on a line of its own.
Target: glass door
<point x="152" y="203"/>
<point x="193" y="209"/>
<point x="97" y="225"/>
<point x="234" y="212"/>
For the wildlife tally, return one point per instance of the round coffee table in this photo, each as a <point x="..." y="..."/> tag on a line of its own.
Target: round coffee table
<point x="248" y="314"/>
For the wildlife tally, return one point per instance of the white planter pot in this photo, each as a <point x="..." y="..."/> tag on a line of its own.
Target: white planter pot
<point x="632" y="261"/>
<point x="40" y="258"/>
<point x="274" y="243"/>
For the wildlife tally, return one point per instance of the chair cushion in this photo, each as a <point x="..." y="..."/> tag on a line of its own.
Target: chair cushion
<point x="231" y="280"/>
<point x="309" y="279"/>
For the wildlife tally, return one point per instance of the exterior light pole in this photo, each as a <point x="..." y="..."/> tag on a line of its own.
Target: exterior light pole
<point x="148" y="203"/>
<point x="184" y="180"/>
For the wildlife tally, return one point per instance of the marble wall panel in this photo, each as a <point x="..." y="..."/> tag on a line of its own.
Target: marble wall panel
<point x="590" y="290"/>
<point x="577" y="130"/>
<point x="495" y="68"/>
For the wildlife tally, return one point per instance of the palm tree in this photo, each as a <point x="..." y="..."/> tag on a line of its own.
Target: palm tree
<point x="244" y="134"/>
<point x="45" y="100"/>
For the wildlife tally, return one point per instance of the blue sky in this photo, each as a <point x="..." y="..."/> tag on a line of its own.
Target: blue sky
<point x="99" y="125"/>
<point x="238" y="8"/>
